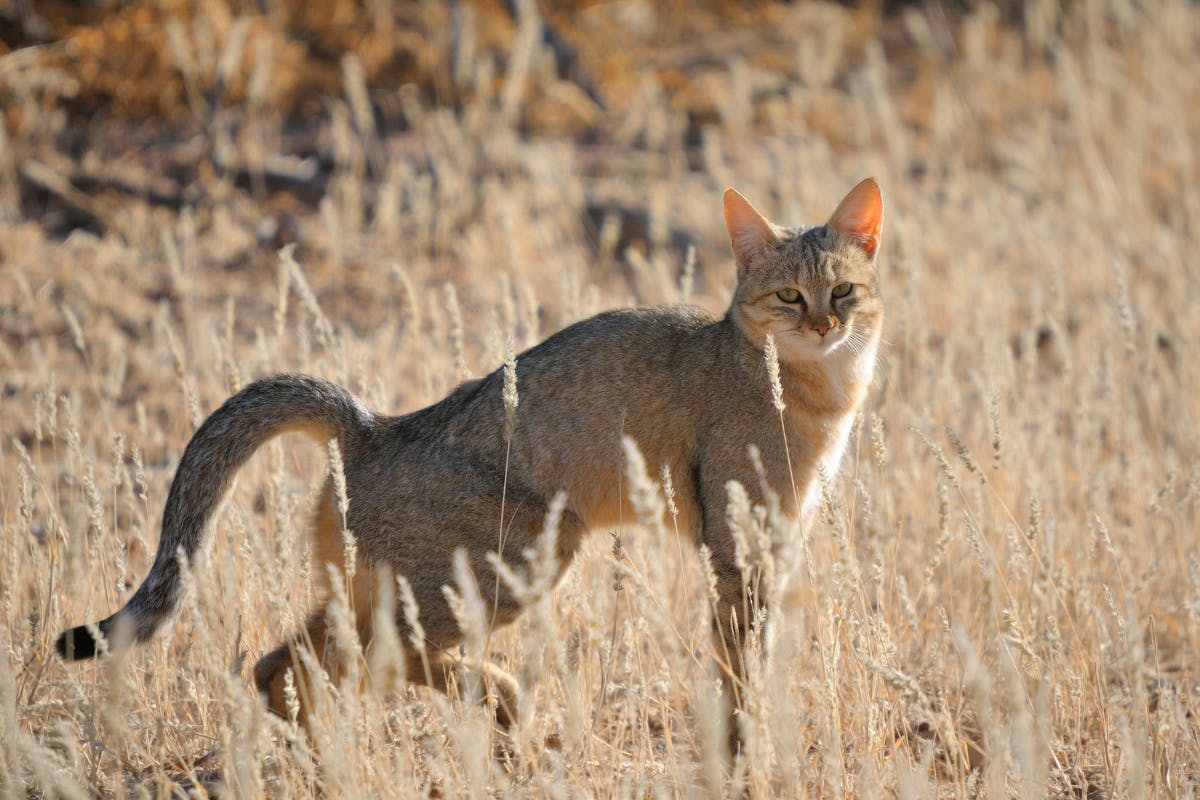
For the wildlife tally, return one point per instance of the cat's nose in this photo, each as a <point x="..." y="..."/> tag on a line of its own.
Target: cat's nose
<point x="822" y="327"/>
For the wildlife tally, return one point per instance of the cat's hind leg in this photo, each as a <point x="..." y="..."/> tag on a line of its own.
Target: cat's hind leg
<point x="446" y="674"/>
<point x="334" y="657"/>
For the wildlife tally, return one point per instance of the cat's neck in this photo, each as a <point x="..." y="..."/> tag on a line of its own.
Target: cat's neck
<point x="832" y="386"/>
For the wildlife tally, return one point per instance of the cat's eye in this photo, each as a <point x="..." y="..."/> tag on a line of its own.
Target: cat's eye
<point x="789" y="295"/>
<point x="842" y="289"/>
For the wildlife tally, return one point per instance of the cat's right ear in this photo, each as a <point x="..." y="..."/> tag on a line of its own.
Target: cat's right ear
<point x="749" y="231"/>
<point x="859" y="217"/>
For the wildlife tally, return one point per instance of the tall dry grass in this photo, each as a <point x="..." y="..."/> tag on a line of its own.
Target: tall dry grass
<point x="1002" y="594"/>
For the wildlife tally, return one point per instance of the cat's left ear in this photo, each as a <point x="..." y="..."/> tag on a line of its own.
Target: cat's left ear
<point x="859" y="217"/>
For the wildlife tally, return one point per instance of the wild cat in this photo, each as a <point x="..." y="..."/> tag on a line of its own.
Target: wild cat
<point x="690" y="389"/>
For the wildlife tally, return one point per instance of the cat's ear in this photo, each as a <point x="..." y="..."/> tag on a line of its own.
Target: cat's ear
<point x="749" y="231"/>
<point x="859" y="217"/>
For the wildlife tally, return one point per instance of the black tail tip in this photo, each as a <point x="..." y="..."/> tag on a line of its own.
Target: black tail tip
<point x="76" y="644"/>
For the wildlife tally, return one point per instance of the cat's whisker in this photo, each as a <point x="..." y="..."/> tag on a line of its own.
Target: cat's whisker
<point x="856" y="342"/>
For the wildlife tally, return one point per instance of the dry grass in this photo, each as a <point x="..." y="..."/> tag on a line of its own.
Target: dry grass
<point x="1003" y="594"/>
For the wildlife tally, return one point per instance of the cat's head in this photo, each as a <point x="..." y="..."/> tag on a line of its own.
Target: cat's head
<point x="814" y="289"/>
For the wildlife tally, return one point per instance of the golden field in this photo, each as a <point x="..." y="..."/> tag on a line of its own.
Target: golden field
<point x="1002" y="595"/>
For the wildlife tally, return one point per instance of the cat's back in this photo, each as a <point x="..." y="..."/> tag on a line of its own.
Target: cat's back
<point x="642" y="326"/>
<point x="620" y="359"/>
<point x="625" y="357"/>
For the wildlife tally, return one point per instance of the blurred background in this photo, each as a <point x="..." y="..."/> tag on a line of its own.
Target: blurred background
<point x="366" y="132"/>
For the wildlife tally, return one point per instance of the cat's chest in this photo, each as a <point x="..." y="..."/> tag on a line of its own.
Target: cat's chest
<point x="827" y="458"/>
<point x="821" y="418"/>
<point x="822" y="448"/>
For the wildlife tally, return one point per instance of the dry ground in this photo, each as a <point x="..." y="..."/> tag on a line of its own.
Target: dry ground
<point x="1003" y="593"/>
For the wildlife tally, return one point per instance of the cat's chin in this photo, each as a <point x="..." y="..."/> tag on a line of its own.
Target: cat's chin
<point x="832" y="343"/>
<point x="807" y="346"/>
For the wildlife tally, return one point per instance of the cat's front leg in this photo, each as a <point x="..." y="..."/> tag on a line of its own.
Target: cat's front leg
<point x="738" y="631"/>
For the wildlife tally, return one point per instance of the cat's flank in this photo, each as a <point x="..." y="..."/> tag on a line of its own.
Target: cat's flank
<point x="691" y="391"/>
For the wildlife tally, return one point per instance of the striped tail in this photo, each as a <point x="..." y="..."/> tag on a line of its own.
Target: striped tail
<point x="259" y="412"/>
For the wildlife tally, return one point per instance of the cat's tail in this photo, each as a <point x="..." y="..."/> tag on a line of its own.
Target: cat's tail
<point x="261" y="411"/>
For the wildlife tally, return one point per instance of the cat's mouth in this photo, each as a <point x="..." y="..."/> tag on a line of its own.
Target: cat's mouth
<point x="824" y="342"/>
